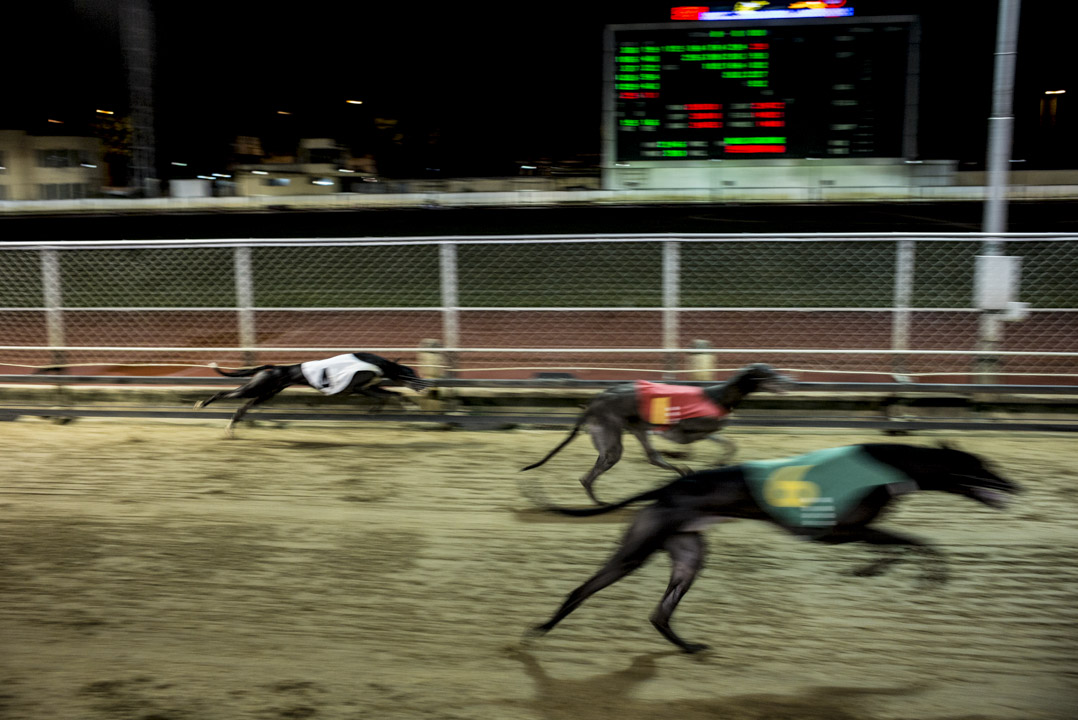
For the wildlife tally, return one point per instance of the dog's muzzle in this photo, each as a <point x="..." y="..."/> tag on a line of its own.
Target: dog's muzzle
<point x="991" y="498"/>
<point x="779" y="385"/>
<point x="419" y="384"/>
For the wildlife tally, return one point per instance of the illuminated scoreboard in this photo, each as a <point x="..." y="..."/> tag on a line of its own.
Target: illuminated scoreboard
<point x="703" y="91"/>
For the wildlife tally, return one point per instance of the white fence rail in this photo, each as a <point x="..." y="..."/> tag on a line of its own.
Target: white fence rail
<point x="517" y="192"/>
<point x="837" y="306"/>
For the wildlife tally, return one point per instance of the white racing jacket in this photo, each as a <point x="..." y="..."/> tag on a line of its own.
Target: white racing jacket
<point x="334" y="374"/>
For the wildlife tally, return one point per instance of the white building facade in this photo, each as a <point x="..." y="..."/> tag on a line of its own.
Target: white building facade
<point x="49" y="167"/>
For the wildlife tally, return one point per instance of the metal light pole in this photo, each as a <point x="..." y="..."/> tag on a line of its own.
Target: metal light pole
<point x="1001" y="124"/>
<point x="1000" y="136"/>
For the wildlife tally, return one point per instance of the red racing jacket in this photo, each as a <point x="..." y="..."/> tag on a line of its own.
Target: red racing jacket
<point x="666" y="405"/>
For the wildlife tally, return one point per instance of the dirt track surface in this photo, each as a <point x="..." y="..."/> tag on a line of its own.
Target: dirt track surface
<point x="154" y="570"/>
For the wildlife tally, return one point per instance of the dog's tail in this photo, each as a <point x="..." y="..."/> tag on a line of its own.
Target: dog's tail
<point x="247" y="372"/>
<point x="610" y="507"/>
<point x="566" y="441"/>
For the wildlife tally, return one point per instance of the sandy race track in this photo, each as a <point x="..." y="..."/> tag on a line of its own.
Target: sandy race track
<point x="153" y="570"/>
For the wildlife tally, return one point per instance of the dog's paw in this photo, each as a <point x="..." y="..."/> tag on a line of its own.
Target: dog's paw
<point x="532" y="634"/>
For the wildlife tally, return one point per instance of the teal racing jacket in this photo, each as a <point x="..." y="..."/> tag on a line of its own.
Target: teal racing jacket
<point x="810" y="493"/>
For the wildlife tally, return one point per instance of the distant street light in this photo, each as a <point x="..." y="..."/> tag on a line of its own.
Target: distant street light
<point x="283" y="112"/>
<point x="105" y="112"/>
<point x="1050" y="107"/>
<point x="354" y="102"/>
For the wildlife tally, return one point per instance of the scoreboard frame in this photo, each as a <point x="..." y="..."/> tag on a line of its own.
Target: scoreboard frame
<point x="908" y="142"/>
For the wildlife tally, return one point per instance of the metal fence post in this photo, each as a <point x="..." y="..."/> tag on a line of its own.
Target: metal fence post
<point x="245" y="300"/>
<point x="447" y="260"/>
<point x="997" y="165"/>
<point x="53" y="295"/>
<point x="702" y="362"/>
<point x="903" y="297"/>
<point x="1001" y="123"/>
<point x="671" y="299"/>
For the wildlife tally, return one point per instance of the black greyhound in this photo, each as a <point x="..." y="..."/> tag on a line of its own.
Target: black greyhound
<point x="831" y="496"/>
<point x="360" y="372"/>
<point x="684" y="413"/>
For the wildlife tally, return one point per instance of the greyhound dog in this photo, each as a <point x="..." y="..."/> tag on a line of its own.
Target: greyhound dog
<point x="831" y="496"/>
<point x="360" y="372"/>
<point x="682" y="414"/>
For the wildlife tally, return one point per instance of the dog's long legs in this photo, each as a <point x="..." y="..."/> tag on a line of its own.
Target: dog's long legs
<point x="381" y="396"/>
<point x="639" y="543"/>
<point x="613" y="571"/>
<point x="212" y="398"/>
<point x="242" y="391"/>
<point x="692" y="430"/>
<point x="238" y="415"/>
<point x="258" y="385"/>
<point x="654" y="456"/>
<point x="937" y="565"/>
<point x="262" y="386"/>
<point x="687" y="552"/>
<point x="607" y="440"/>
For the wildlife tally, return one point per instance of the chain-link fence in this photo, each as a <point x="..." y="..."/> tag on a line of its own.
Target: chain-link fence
<point x="830" y="307"/>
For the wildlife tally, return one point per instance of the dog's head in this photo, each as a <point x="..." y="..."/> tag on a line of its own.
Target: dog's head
<point x="759" y="376"/>
<point x="406" y="376"/>
<point x="963" y="473"/>
<point x="394" y="372"/>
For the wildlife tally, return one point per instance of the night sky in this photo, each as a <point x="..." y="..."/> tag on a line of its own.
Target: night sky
<point x="474" y="87"/>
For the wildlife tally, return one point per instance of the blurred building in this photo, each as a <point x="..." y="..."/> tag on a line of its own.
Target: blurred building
<point x="36" y="167"/>
<point x="320" y="167"/>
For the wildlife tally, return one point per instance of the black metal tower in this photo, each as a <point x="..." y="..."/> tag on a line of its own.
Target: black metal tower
<point x="136" y="30"/>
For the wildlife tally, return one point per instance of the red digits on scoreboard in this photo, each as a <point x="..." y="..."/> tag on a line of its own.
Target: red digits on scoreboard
<point x="688" y="12"/>
<point x="769" y="114"/>
<point x="752" y="149"/>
